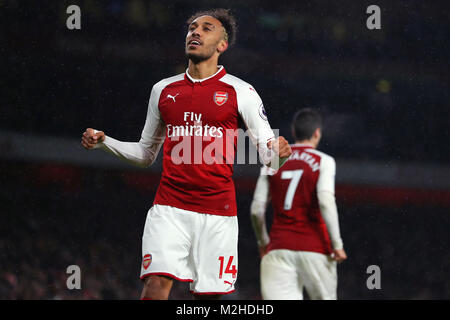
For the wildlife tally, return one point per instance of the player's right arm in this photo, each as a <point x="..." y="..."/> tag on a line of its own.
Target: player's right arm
<point x="142" y="153"/>
<point x="273" y="151"/>
<point x="327" y="203"/>
<point x="261" y="197"/>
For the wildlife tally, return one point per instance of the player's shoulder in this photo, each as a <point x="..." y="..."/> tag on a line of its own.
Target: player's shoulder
<point x="324" y="157"/>
<point x="238" y="83"/>
<point x="160" y="85"/>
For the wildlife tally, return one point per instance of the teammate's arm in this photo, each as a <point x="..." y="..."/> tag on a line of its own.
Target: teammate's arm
<point x="273" y="151"/>
<point x="258" y="211"/>
<point x="328" y="208"/>
<point x="142" y="153"/>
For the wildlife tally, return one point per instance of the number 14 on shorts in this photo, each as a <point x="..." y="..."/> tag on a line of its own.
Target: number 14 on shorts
<point x="230" y="268"/>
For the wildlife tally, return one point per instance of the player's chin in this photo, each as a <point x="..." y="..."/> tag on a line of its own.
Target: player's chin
<point x="196" y="57"/>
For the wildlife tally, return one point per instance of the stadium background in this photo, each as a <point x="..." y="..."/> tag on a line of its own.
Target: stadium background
<point x="384" y="95"/>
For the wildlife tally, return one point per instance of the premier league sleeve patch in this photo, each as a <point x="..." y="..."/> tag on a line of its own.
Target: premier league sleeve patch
<point x="262" y="112"/>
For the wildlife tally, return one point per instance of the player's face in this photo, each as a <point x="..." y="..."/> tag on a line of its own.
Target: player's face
<point x="204" y="39"/>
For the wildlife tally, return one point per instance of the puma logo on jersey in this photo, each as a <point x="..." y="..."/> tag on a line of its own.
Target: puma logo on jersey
<point x="169" y="96"/>
<point x="228" y="282"/>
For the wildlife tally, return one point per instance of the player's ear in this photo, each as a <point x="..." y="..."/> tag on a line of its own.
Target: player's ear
<point x="223" y="46"/>
<point x="318" y="133"/>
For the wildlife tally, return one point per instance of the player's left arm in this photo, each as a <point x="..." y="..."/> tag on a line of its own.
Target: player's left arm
<point x="327" y="202"/>
<point x="261" y="197"/>
<point x="142" y="153"/>
<point x="273" y="151"/>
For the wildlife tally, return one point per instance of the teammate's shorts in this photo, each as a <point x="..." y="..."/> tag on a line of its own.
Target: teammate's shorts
<point x="284" y="274"/>
<point x="189" y="246"/>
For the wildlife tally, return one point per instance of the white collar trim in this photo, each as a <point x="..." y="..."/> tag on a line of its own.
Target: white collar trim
<point x="303" y="145"/>
<point x="201" y="80"/>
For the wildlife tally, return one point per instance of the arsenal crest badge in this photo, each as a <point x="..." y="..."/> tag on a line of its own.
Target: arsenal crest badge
<point x="220" y="97"/>
<point x="147" y="261"/>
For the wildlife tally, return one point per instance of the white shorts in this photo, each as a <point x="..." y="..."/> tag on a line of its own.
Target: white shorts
<point x="284" y="274"/>
<point x="193" y="247"/>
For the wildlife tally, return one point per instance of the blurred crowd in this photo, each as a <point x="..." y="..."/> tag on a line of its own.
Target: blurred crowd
<point x="384" y="95"/>
<point x="389" y="87"/>
<point x="94" y="219"/>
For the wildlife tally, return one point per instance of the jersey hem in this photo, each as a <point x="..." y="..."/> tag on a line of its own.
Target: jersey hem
<point x="165" y="274"/>
<point x="211" y="293"/>
<point x="306" y="250"/>
<point x="200" y="210"/>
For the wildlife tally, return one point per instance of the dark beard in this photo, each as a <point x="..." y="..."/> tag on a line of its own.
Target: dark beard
<point x="196" y="58"/>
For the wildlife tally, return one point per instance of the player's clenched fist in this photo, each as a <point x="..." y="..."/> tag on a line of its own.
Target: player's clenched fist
<point x="281" y="147"/>
<point x="91" y="137"/>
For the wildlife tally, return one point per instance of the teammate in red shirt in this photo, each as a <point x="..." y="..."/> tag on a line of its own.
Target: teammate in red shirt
<point x="191" y="230"/>
<point x="305" y="242"/>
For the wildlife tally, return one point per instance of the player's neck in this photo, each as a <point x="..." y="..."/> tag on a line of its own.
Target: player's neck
<point x="202" y="69"/>
<point x="308" y="142"/>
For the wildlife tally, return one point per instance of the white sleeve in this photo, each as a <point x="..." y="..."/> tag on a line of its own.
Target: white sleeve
<point x="327" y="202"/>
<point x="258" y="207"/>
<point x="252" y="112"/>
<point x="144" y="152"/>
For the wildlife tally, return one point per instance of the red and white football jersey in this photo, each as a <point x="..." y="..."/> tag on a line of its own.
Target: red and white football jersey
<point x="297" y="221"/>
<point x="193" y="117"/>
